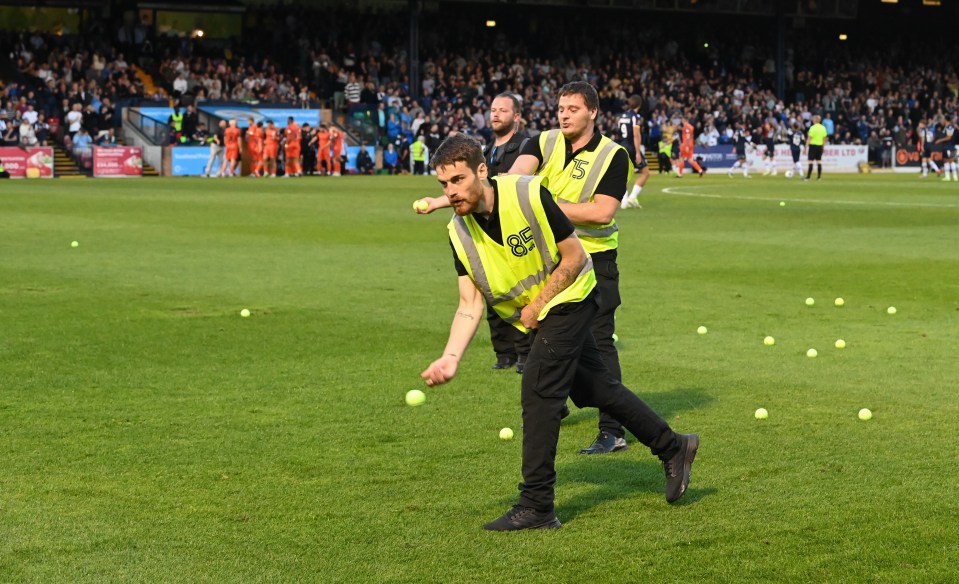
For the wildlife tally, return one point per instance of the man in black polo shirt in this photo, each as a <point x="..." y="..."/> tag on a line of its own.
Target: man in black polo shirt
<point x="509" y="344"/>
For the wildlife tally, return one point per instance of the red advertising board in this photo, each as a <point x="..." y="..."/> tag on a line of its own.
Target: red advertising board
<point x="23" y="162"/>
<point x="117" y="161"/>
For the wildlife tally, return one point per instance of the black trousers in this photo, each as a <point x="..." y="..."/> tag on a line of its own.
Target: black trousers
<point x="507" y="340"/>
<point x="564" y="362"/>
<point x="604" y="325"/>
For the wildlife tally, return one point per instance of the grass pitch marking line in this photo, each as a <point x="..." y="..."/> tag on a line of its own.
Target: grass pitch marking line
<point x="676" y="192"/>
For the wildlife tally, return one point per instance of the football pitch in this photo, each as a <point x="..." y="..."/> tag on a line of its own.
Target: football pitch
<point x="149" y="433"/>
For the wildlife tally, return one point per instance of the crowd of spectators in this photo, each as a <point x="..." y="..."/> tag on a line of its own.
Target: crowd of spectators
<point x="360" y="66"/>
<point x="66" y="87"/>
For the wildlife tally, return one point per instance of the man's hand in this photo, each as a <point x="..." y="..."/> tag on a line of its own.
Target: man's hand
<point x="529" y="317"/>
<point x="432" y="204"/>
<point x="441" y="370"/>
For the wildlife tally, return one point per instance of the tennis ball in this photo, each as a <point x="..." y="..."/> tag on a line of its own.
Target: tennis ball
<point x="811" y="353"/>
<point x="74" y="244"/>
<point x="420" y="205"/>
<point x="891" y="310"/>
<point x="840" y="344"/>
<point x="783" y="203"/>
<point x="840" y="302"/>
<point x="810" y="301"/>
<point x="761" y="414"/>
<point x="415" y="397"/>
<point x="865" y="414"/>
<point x="702" y="330"/>
<point x="505" y="434"/>
<point x="769" y="341"/>
<point x="615" y="338"/>
<point x="244" y="313"/>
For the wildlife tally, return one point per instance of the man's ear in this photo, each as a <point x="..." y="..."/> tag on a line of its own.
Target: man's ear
<point x="482" y="171"/>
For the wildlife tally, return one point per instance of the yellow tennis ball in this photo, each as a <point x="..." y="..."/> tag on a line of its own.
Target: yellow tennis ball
<point x="865" y="414"/>
<point x="840" y="302"/>
<point x="811" y="353"/>
<point x="702" y="330"/>
<point x="415" y="397"/>
<point x="506" y="434"/>
<point x="769" y="341"/>
<point x="840" y="344"/>
<point x="420" y="205"/>
<point x="244" y="313"/>
<point x="810" y="301"/>
<point x="761" y="414"/>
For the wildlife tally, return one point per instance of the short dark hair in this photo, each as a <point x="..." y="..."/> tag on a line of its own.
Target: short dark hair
<point x="458" y="148"/>
<point x="590" y="97"/>
<point x="512" y="98"/>
<point x="634" y="101"/>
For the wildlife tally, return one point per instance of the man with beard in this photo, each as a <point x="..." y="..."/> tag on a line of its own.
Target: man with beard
<point x="588" y="174"/>
<point x="510" y="345"/>
<point x="514" y="248"/>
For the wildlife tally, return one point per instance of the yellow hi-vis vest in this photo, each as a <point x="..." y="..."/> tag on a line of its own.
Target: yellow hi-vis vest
<point x="177" y="121"/>
<point x="510" y="275"/>
<point x="577" y="183"/>
<point x="419" y="151"/>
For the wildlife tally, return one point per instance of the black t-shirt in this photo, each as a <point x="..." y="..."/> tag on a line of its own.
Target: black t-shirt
<point x="558" y="223"/>
<point x="612" y="184"/>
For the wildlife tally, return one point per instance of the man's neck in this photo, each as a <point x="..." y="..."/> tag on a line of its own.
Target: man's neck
<point x="486" y="203"/>
<point x="581" y="141"/>
<point x="500" y="140"/>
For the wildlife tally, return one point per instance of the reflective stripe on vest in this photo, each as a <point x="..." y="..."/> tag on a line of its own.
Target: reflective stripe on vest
<point x="592" y="179"/>
<point x="552" y="137"/>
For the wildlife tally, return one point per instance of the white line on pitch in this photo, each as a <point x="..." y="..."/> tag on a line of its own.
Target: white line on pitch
<point x="675" y="192"/>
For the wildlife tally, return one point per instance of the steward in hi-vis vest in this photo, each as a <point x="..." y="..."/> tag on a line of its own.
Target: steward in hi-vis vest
<point x="511" y="273"/>
<point x="578" y="183"/>
<point x="515" y="247"/>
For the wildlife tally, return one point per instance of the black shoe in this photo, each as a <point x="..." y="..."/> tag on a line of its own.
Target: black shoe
<point x="504" y="363"/>
<point x="606" y="443"/>
<point x="520" y="517"/>
<point x="520" y="365"/>
<point x="678" y="467"/>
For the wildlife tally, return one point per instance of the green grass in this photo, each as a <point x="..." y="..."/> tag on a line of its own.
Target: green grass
<point x="150" y="434"/>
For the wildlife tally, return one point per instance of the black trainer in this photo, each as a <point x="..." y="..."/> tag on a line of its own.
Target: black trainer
<point x="503" y="362"/>
<point x="606" y="443"/>
<point x="679" y="467"/>
<point x="520" y="517"/>
<point x="520" y="365"/>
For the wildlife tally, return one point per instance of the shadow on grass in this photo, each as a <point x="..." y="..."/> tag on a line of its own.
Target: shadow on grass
<point x="668" y="404"/>
<point x="616" y="477"/>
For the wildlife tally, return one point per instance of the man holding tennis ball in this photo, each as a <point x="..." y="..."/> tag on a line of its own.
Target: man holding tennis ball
<point x="514" y="247"/>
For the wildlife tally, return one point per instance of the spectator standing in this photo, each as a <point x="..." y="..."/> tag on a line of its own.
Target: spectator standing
<point x="74" y="119"/>
<point x="352" y="92"/>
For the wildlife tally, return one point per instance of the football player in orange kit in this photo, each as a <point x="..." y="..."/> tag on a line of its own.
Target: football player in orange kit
<point x="336" y="137"/>
<point x="687" y="140"/>
<point x="323" y="165"/>
<point x="231" y="137"/>
<point x="254" y="144"/>
<point x="271" y="147"/>
<point x="291" y="149"/>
